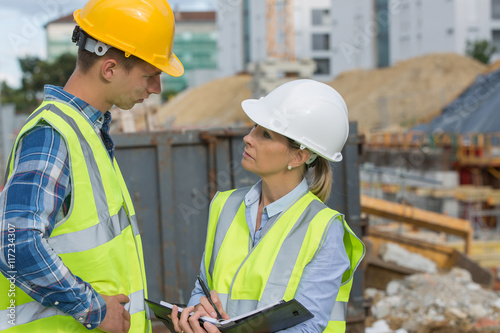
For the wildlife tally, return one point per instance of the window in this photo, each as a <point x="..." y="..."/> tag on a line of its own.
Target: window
<point x="495" y="9"/>
<point x="496" y="39"/>
<point x="322" y="66"/>
<point x="320" y="17"/>
<point x="320" y="42"/>
<point x="382" y="9"/>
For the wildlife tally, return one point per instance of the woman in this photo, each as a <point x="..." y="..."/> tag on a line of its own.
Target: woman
<point x="278" y="240"/>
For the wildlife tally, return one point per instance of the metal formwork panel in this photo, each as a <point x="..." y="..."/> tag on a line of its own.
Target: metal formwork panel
<point x="173" y="175"/>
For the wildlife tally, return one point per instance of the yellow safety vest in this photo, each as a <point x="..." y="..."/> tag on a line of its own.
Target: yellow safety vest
<point x="248" y="278"/>
<point x="98" y="241"/>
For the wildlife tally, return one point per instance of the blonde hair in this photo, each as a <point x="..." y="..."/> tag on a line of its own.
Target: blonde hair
<point x="320" y="179"/>
<point x="318" y="174"/>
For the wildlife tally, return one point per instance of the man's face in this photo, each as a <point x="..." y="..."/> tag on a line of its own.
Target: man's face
<point x="136" y="85"/>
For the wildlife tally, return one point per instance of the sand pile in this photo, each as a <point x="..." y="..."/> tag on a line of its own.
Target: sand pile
<point x="214" y="104"/>
<point x="400" y="96"/>
<point x="408" y="93"/>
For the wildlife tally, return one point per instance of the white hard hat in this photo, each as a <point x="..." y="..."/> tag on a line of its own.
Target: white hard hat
<point x="309" y="112"/>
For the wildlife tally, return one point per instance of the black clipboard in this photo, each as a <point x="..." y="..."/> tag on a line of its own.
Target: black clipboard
<point x="272" y="318"/>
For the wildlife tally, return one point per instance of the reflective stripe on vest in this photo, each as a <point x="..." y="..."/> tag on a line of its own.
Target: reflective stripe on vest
<point x="99" y="243"/>
<point x="33" y="311"/>
<point x="306" y="224"/>
<point x="94" y="236"/>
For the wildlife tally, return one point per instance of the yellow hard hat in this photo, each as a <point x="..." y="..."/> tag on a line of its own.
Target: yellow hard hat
<point x="143" y="28"/>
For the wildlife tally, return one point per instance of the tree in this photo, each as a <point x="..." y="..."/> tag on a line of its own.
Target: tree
<point x="481" y="50"/>
<point x="35" y="74"/>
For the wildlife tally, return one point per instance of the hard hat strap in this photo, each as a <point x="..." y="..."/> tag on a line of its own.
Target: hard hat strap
<point x="83" y="40"/>
<point x="312" y="155"/>
<point x="311" y="158"/>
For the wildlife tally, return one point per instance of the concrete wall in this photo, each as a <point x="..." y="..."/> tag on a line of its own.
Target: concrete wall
<point x="353" y="35"/>
<point x="257" y="27"/>
<point x="230" y="44"/>
<point x="421" y="27"/>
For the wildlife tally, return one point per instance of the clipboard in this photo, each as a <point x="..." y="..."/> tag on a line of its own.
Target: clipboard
<point x="273" y="318"/>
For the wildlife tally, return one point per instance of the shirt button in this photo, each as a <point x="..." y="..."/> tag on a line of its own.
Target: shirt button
<point x="56" y="303"/>
<point x="89" y="326"/>
<point x="80" y="319"/>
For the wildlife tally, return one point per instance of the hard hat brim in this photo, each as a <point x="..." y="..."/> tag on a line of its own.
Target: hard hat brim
<point x="257" y="112"/>
<point x="174" y="67"/>
<point x="254" y="111"/>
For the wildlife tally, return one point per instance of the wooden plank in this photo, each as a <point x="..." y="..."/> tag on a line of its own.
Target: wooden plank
<point x="441" y="255"/>
<point x="418" y="217"/>
<point x="487" y="259"/>
<point x="378" y="273"/>
<point x="478" y="272"/>
<point x="488" y="263"/>
<point x="478" y="247"/>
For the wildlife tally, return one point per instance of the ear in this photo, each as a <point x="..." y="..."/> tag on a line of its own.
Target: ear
<point x="108" y="69"/>
<point x="300" y="157"/>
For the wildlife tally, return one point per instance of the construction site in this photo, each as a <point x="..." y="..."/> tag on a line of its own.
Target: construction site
<point x="426" y="203"/>
<point x="419" y="182"/>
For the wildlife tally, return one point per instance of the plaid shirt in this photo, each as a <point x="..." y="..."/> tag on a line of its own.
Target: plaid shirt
<point x="35" y="197"/>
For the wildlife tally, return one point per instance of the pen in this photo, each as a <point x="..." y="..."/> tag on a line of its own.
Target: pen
<point x="207" y="293"/>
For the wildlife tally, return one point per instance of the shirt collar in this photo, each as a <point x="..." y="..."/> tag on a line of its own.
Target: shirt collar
<point x="279" y="205"/>
<point x="93" y="115"/>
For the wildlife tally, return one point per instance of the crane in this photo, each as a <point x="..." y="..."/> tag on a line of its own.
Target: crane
<point x="280" y="39"/>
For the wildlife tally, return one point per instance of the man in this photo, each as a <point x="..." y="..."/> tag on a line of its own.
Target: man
<point x="70" y="248"/>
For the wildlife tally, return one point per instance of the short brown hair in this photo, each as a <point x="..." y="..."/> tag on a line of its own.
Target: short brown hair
<point x="85" y="59"/>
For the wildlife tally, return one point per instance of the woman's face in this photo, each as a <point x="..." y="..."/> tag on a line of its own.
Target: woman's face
<point x="266" y="152"/>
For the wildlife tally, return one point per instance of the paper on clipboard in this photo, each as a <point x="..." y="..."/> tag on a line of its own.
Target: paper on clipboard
<point x="272" y="318"/>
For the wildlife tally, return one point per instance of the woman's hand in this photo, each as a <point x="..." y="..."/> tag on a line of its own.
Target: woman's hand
<point x="205" y="304"/>
<point x="190" y="324"/>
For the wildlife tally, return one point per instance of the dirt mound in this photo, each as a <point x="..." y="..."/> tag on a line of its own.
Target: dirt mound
<point x="493" y="67"/>
<point x="214" y="104"/>
<point x="411" y="92"/>
<point x="408" y="93"/>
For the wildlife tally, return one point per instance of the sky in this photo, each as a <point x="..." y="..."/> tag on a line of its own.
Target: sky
<point x="22" y="29"/>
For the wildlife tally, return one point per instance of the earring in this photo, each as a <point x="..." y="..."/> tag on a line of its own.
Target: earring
<point x="289" y="167"/>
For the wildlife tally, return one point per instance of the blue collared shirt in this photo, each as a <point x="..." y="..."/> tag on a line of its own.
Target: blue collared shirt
<point x="35" y="197"/>
<point x="271" y="211"/>
<point x="320" y="281"/>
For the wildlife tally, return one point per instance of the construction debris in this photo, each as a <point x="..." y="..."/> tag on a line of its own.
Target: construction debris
<point x="424" y="303"/>
<point x="380" y="326"/>
<point x="391" y="252"/>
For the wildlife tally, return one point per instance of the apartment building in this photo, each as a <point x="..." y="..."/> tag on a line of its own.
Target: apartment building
<point x="342" y="35"/>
